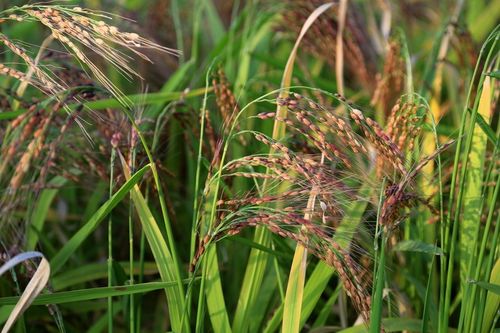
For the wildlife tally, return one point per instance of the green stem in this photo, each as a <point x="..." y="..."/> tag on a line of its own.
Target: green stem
<point x="463" y="164"/>
<point x="164" y="212"/>
<point x="110" y="242"/>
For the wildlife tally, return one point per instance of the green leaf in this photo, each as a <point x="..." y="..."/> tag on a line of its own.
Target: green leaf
<point x="428" y="301"/>
<point x="485" y="20"/>
<point x="141" y="99"/>
<point x="93" y="293"/>
<point x="377" y="297"/>
<point x="494" y="288"/>
<point x="494" y="74"/>
<point x="6" y="115"/>
<point x="163" y="258"/>
<point x="470" y="229"/>
<point x="466" y="169"/>
<point x="216" y="303"/>
<point x="214" y="21"/>
<point x="486" y="128"/>
<point x="41" y="209"/>
<point x="95" y="271"/>
<point x="69" y="248"/>
<point x="492" y="298"/>
<point x="254" y="245"/>
<point x="417" y="246"/>
<point x="295" y="291"/>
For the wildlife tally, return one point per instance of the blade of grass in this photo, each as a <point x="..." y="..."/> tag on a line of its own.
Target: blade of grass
<point x="214" y="21"/>
<point x="100" y="324"/>
<point x="469" y="313"/>
<point x="184" y="319"/>
<point x="326" y="311"/>
<point x="461" y="158"/>
<point x="417" y="246"/>
<point x="167" y="266"/>
<point x="247" y="54"/>
<point x="296" y="279"/>
<point x="491" y="304"/>
<point x="176" y="17"/>
<point x="377" y="300"/>
<point x="110" y="237"/>
<point x="469" y="227"/>
<point x="93" y="293"/>
<point x="215" y="296"/>
<point x="95" y="271"/>
<point x="494" y="288"/>
<point x="295" y="291"/>
<point x="140" y="99"/>
<point x="481" y="122"/>
<point x="433" y="77"/>
<point x="492" y="299"/>
<point x="428" y="302"/>
<point x="41" y="209"/>
<point x="69" y="248"/>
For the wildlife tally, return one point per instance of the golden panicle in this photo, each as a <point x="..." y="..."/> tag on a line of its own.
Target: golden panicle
<point x="18" y="75"/>
<point x="44" y="80"/>
<point x="225" y="97"/>
<point x="226" y="102"/>
<point x="383" y="145"/>
<point x="210" y="133"/>
<point x="31" y="153"/>
<point x="390" y="81"/>
<point x="81" y="31"/>
<point x="404" y="124"/>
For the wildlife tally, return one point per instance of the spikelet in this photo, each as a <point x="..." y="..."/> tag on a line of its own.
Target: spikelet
<point x="404" y="124"/>
<point x="44" y="80"/>
<point x="390" y="81"/>
<point x="226" y="102"/>
<point x="18" y="75"/>
<point x="32" y="152"/>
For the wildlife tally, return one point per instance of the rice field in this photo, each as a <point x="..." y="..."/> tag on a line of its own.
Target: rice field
<point x="249" y="166"/>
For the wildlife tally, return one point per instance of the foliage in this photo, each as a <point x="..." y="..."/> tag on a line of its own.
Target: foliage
<point x="249" y="166"/>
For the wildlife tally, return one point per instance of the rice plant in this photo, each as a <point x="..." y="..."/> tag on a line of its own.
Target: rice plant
<point x="249" y="166"/>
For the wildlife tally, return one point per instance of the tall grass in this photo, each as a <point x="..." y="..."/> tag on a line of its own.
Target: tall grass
<point x="302" y="166"/>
